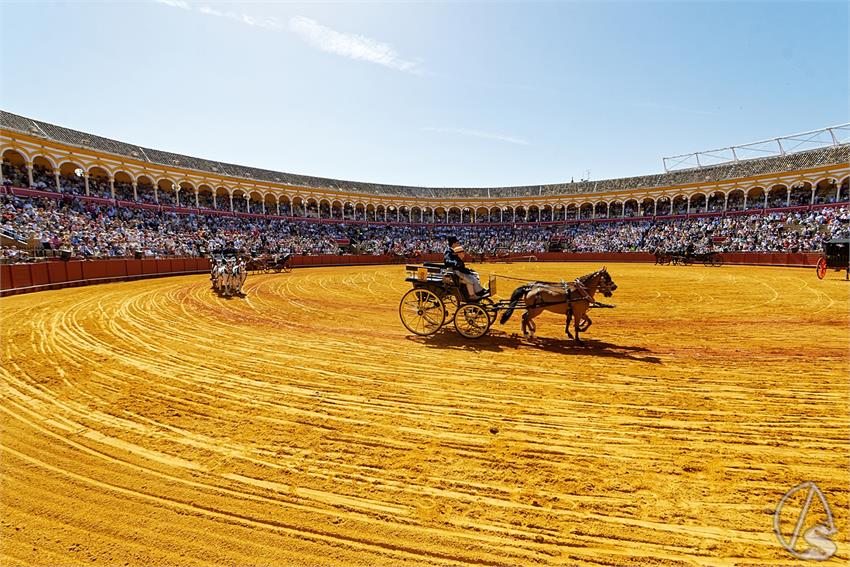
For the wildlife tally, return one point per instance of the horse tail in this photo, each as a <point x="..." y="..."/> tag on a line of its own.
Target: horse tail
<point x="515" y="297"/>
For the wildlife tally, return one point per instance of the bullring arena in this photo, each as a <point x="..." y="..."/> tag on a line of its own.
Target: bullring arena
<point x="155" y="423"/>
<point x="147" y="420"/>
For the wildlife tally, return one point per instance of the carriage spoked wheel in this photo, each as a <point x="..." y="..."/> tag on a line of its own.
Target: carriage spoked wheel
<point x="450" y="304"/>
<point x="421" y="312"/>
<point x="472" y="321"/>
<point x="490" y="307"/>
<point x="821" y="267"/>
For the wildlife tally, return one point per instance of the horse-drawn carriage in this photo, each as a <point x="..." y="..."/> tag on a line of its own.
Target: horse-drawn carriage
<point x="268" y="263"/>
<point x="688" y="258"/>
<point x="438" y="296"/>
<point x="228" y="273"/>
<point x="836" y="256"/>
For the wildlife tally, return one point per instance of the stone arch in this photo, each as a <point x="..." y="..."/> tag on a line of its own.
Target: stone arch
<point x="679" y="205"/>
<point x="615" y="209"/>
<point x="238" y="198"/>
<point x="663" y="206"/>
<point x="43" y="170"/>
<point x="99" y="181"/>
<point x="800" y="193"/>
<point x="123" y="183"/>
<point x="571" y="211"/>
<point x="15" y="167"/>
<point x="221" y="198"/>
<point x="630" y="208"/>
<point x="777" y="196"/>
<point x="205" y="196"/>
<point x="755" y="197"/>
<point x="696" y="203"/>
<point x="600" y="210"/>
<point x="441" y="215"/>
<point x="520" y="213"/>
<point x="716" y="201"/>
<point x="647" y="207"/>
<point x="735" y="200"/>
<point x="586" y="211"/>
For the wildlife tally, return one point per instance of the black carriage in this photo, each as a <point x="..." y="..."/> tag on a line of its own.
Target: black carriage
<point x="438" y="296"/>
<point x="836" y="256"/>
<point x="268" y="263"/>
<point x="686" y="258"/>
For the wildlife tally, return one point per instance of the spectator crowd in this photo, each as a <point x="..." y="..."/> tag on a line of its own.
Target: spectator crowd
<point x="90" y="230"/>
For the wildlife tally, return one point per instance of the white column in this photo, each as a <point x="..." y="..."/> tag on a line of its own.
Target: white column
<point x="86" y="179"/>
<point x="177" y="196"/>
<point x="745" y="201"/>
<point x="135" y="191"/>
<point x="112" y="187"/>
<point x="58" y="184"/>
<point x="689" y="206"/>
<point x="278" y="207"/>
<point x="655" y="207"/>
<point x="765" y="200"/>
<point x="29" y="174"/>
<point x="215" y="204"/>
<point x="231" y="202"/>
<point x="247" y="204"/>
<point x="264" y="206"/>
<point x="156" y="193"/>
<point x="787" y="196"/>
<point x="814" y="188"/>
<point x="725" y="202"/>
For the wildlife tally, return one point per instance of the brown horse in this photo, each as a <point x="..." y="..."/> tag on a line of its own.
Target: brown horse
<point x="572" y="299"/>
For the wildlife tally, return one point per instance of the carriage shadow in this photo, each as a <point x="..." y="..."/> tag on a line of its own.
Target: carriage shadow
<point x="498" y="341"/>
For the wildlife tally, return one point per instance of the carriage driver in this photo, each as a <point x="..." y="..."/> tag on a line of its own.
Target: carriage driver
<point x="453" y="258"/>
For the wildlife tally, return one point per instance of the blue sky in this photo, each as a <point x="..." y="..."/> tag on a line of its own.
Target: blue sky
<point x="441" y="94"/>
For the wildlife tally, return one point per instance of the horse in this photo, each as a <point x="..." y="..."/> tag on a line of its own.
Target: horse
<point x="572" y="299"/>
<point x="238" y="275"/>
<point x="218" y="274"/>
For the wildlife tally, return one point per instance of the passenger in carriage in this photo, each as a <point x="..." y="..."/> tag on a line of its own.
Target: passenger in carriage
<point x="453" y="258"/>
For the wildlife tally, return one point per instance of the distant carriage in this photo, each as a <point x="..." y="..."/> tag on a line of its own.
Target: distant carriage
<point x="836" y="256"/>
<point x="685" y="258"/>
<point x="270" y="263"/>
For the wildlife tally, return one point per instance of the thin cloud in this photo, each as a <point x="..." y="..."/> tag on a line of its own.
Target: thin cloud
<point x="479" y="134"/>
<point x="174" y="3"/>
<point x="266" y="23"/>
<point x="349" y="45"/>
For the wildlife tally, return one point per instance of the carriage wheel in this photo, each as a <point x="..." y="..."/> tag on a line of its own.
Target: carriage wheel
<point x="821" y="267"/>
<point x="490" y="306"/>
<point x="450" y="304"/>
<point x="421" y="312"/>
<point x="472" y="321"/>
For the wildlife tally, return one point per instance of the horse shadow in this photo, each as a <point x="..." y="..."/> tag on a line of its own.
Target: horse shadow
<point x="500" y="341"/>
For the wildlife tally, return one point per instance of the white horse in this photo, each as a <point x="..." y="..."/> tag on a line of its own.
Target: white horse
<point x="238" y="275"/>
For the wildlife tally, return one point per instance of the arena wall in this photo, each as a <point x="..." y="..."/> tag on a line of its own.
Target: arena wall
<point x="25" y="278"/>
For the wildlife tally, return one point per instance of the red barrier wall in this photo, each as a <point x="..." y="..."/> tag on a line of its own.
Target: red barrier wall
<point x="22" y="278"/>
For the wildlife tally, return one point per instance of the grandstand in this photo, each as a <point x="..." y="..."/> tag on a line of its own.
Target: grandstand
<point x="45" y="157"/>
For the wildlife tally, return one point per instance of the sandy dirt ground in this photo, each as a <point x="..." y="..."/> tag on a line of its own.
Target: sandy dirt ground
<point x="154" y="423"/>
